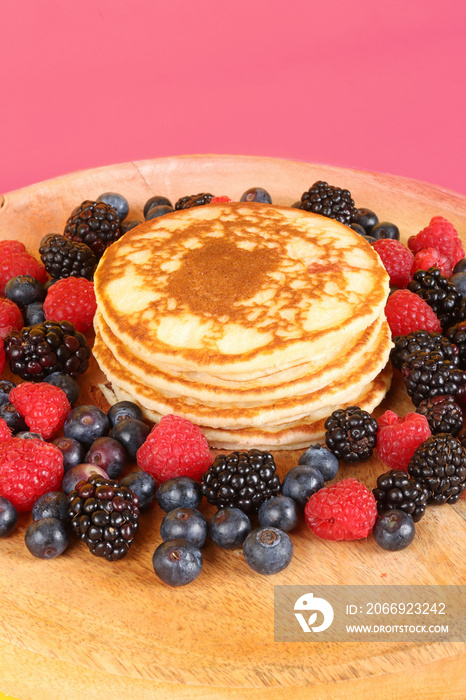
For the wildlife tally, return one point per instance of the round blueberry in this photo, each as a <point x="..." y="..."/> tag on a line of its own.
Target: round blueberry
<point x="229" y="527"/>
<point x="33" y="313"/>
<point x="459" y="281"/>
<point x="122" y="411"/>
<point x="24" y="290"/>
<point x="359" y="229"/>
<point x="184" y="523"/>
<point x="385" y="230"/>
<point x="155" y="212"/>
<point x="46" y="538"/>
<point x="177" y="562"/>
<point x="65" y="382"/>
<point x="180" y="492"/>
<point x="82" y="472"/>
<point x="12" y="418"/>
<point x="143" y="485"/>
<point x="132" y="433"/>
<point x="301" y="482"/>
<point x="322" y="459"/>
<point x="5" y="388"/>
<point x="117" y="201"/>
<point x="51" y="505"/>
<point x="256" y="194"/>
<point x="128" y="225"/>
<point x="27" y="435"/>
<point x="156" y="201"/>
<point x="109" y="454"/>
<point x="366" y="218"/>
<point x="86" y="424"/>
<point x="394" y="530"/>
<point x="460" y="266"/>
<point x="296" y="205"/>
<point x="268" y="550"/>
<point x="8" y="517"/>
<point x="280" y="512"/>
<point x="369" y="239"/>
<point x="72" y="450"/>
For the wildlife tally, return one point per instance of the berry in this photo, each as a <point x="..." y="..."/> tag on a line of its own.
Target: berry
<point x="256" y="194"/>
<point x="366" y="218"/>
<point x="46" y="538"/>
<point x="427" y="374"/>
<point x="223" y="198"/>
<point x="72" y="450"/>
<point x="322" y="459"/>
<point x="33" y="313"/>
<point x="28" y="435"/>
<point x="330" y="201"/>
<point x="96" y="224"/>
<point x="86" y="424"/>
<point x="5" y="432"/>
<point x="398" y="438"/>
<point x="351" y="434"/>
<point x="72" y="299"/>
<point x="122" y="411"/>
<point x="143" y="485"/>
<point x="128" y="225"/>
<point x="65" y="258"/>
<point x="443" y="414"/>
<point x="431" y="257"/>
<point x="28" y="469"/>
<point x="301" y="482"/>
<point x="11" y="318"/>
<point x="132" y="434"/>
<point x="407" y="312"/>
<point x="9" y="247"/>
<point x="241" y="480"/>
<point x="443" y="297"/>
<point x="440" y="463"/>
<point x="174" y="447"/>
<point x="24" y="290"/>
<point x="359" y="229"/>
<point x="396" y="259"/>
<point x="156" y="201"/>
<point x="82" y="472"/>
<point x="193" y="200"/>
<point x="14" y="264"/>
<point x="344" y="511"/>
<point x="184" y="523"/>
<point x="457" y="336"/>
<point x="53" y="504"/>
<point x="5" y="388"/>
<point x="104" y="515"/>
<point x="396" y="490"/>
<point x="280" y="512"/>
<point x="117" y="201"/>
<point x="177" y="562"/>
<point x="109" y="454"/>
<point x="385" y="230"/>
<point x="181" y="492"/>
<point x="229" y="527"/>
<point x="460" y="266"/>
<point x="458" y="280"/>
<point x="10" y="415"/>
<point x="439" y="234"/>
<point x="66" y="383"/>
<point x="267" y="550"/>
<point x="394" y="530"/>
<point x="2" y="356"/>
<point x="155" y="212"/>
<point x="423" y="341"/>
<point x="8" y="517"/>
<point x="44" y="407"/>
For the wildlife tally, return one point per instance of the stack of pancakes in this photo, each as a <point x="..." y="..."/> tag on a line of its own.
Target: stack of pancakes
<point x="253" y="321"/>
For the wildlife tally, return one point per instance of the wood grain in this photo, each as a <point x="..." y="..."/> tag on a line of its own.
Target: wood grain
<point x="78" y="626"/>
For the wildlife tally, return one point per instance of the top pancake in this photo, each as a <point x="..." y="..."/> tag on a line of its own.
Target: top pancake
<point x="238" y="289"/>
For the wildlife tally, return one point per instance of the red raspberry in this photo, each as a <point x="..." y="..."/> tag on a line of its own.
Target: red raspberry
<point x="407" y="312"/>
<point x="431" y="257"/>
<point x="174" y="447"/>
<point x="11" y="318"/>
<point x="7" y="247"/>
<point x="13" y="264"/>
<point x="439" y="234"/>
<point x="396" y="259"/>
<point x="345" y="511"/>
<point x="399" y="438"/>
<point x="71" y="299"/>
<point x="224" y="198"/>
<point x="28" y="469"/>
<point x="5" y="432"/>
<point x="43" y="406"/>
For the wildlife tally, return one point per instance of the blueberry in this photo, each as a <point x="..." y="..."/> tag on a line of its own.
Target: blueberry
<point x="256" y="194"/>
<point x="86" y="424"/>
<point x="155" y="212"/>
<point x="122" y="411"/>
<point x="394" y="530"/>
<point x="366" y="218"/>
<point x="296" y="205"/>
<point x="109" y="454"/>
<point x="65" y="382"/>
<point x="385" y="230"/>
<point x="268" y="550"/>
<point x="132" y="433"/>
<point x="369" y="239"/>
<point x="12" y="418"/>
<point x="51" y="505"/>
<point x="459" y="281"/>
<point x="5" y="388"/>
<point x="33" y="313"/>
<point x="143" y="485"/>
<point x="46" y="538"/>
<point x="117" y="201"/>
<point x="156" y="201"/>
<point x="72" y="450"/>
<point x="180" y="492"/>
<point x="128" y="225"/>
<point x="359" y="229"/>
<point x="27" y="435"/>
<point x="8" y="517"/>
<point x="81" y="472"/>
<point x="460" y="266"/>
<point x="229" y="527"/>
<point x="301" y="482"/>
<point x="177" y="562"/>
<point x="24" y="290"/>
<point x="186" y="524"/>
<point x="280" y="512"/>
<point x="322" y="459"/>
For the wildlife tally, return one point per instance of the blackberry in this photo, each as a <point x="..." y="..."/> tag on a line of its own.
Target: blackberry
<point x="96" y="224"/>
<point x="422" y="341"/>
<point x="104" y="515"/>
<point x="443" y="414"/>
<point x="443" y="297"/>
<point x="329" y="201"/>
<point x="396" y="490"/>
<point x="193" y="200"/>
<point x="351" y="434"/>
<point x="457" y="335"/>
<point x="241" y="480"/>
<point x="64" y="258"/>
<point x="428" y="374"/>
<point x="37" y="351"/>
<point x="440" y="463"/>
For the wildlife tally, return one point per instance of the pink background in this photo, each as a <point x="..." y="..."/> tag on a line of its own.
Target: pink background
<point x="375" y="85"/>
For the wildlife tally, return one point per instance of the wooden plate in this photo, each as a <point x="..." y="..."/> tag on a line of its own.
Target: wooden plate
<point x="78" y="627"/>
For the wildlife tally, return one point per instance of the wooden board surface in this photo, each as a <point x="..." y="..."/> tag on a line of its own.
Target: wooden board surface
<point x="78" y="626"/>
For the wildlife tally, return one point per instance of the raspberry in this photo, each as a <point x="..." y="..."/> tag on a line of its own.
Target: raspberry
<point x="174" y="447"/>
<point x="439" y="234"/>
<point x="399" y="438"/>
<point x="43" y="406"/>
<point x="11" y="318"/>
<point x="344" y="511"/>
<point x="8" y="247"/>
<point x="396" y="259"/>
<point x="71" y="299"/>
<point x="223" y="198"/>
<point x="407" y="312"/>
<point x="28" y="469"/>
<point x="13" y="264"/>
<point x="5" y="432"/>
<point x="431" y="257"/>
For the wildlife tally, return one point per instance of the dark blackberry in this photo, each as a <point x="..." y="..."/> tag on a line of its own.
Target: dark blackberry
<point x="457" y="335"/>
<point x="440" y="463"/>
<point x="96" y="224"/>
<point x="422" y="341"/>
<point x="37" y="351"/>
<point x="329" y="201"/>
<point x="396" y="490"/>
<point x="64" y="258"/>
<point x="104" y="515"/>
<point x="428" y="374"/>
<point x="443" y="414"/>
<point x="461" y="315"/>
<point x="193" y="200"/>
<point x="443" y="297"/>
<point x="241" y="480"/>
<point x="351" y="434"/>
